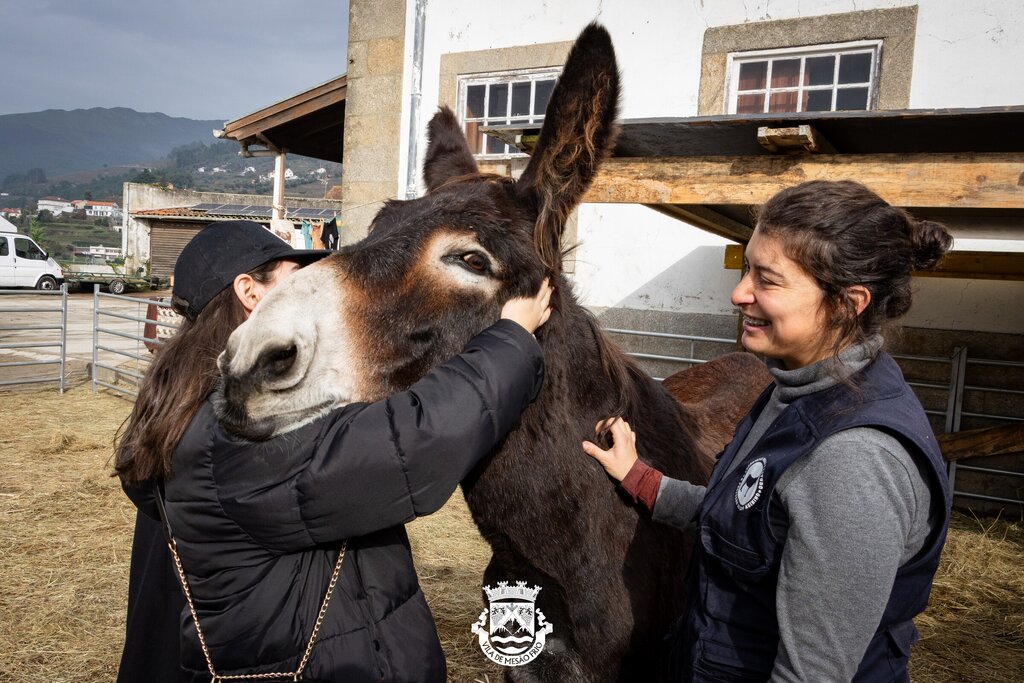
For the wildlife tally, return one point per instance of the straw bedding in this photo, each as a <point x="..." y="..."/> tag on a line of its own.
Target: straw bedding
<point x="65" y="535"/>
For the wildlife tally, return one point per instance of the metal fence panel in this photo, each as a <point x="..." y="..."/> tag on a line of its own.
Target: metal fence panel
<point x="48" y="341"/>
<point x="124" y="334"/>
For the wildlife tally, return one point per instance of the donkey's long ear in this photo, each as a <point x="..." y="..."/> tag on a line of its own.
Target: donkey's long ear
<point x="448" y="155"/>
<point x="578" y="133"/>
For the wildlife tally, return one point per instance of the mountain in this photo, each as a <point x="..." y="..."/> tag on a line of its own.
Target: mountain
<point x="60" y="141"/>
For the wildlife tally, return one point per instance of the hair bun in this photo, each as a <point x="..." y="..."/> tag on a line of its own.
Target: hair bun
<point x="930" y="242"/>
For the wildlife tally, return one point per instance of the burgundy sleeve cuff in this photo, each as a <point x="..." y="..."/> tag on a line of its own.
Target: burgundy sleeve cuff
<point x="642" y="484"/>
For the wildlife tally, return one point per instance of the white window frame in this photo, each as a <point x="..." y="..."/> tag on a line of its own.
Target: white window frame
<point x="497" y="78"/>
<point x="736" y="59"/>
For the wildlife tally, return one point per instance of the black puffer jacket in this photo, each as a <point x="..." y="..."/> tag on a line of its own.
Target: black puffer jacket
<point x="258" y="525"/>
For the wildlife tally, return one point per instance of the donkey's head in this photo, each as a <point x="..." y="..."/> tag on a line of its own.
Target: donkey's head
<point x="434" y="271"/>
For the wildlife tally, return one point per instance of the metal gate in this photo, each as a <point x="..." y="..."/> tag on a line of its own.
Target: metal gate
<point x="54" y="335"/>
<point x="675" y="352"/>
<point x="122" y="345"/>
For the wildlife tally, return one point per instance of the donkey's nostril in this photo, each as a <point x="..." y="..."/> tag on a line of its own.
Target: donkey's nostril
<point x="278" y="361"/>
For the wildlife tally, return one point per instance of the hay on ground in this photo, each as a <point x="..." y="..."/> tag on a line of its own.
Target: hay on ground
<point x="65" y="539"/>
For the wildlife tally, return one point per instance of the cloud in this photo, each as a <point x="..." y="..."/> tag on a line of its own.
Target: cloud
<point x="212" y="59"/>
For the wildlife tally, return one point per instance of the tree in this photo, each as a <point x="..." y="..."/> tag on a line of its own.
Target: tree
<point x="35" y="230"/>
<point x="44" y="216"/>
<point x="144" y="176"/>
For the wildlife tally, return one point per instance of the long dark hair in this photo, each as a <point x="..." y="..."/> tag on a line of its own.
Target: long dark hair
<point x="843" y="234"/>
<point x="181" y="376"/>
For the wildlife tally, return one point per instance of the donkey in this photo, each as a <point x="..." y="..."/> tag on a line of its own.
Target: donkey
<point x="432" y="272"/>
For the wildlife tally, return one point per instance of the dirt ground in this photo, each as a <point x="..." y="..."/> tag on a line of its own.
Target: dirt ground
<point x="65" y="535"/>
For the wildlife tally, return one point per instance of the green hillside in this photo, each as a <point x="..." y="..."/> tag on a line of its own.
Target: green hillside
<point x="61" y="142"/>
<point x="215" y="166"/>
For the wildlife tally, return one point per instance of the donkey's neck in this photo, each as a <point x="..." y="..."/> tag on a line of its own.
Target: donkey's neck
<point x="583" y="366"/>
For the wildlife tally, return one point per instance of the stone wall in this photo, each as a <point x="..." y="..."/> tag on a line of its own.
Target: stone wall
<point x="373" y="111"/>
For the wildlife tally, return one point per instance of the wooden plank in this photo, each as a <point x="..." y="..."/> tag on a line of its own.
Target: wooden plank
<point x="978" y="443"/>
<point x="802" y="138"/>
<point x="979" y="265"/>
<point x="285" y="116"/>
<point x="909" y="180"/>
<point x="337" y="84"/>
<point x="707" y="219"/>
<point x="972" y="265"/>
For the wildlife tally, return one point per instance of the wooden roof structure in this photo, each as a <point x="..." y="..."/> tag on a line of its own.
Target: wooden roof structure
<point x="311" y="123"/>
<point x="964" y="167"/>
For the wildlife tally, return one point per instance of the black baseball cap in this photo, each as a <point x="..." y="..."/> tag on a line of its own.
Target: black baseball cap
<point x="222" y="251"/>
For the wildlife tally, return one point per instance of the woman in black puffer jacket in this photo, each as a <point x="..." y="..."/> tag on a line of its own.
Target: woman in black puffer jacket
<point x="258" y="526"/>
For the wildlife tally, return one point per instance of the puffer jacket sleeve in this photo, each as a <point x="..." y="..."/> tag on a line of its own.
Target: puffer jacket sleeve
<point x="144" y="498"/>
<point x="402" y="457"/>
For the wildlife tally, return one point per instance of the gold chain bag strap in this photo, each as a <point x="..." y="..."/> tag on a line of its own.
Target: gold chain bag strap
<point x="214" y="676"/>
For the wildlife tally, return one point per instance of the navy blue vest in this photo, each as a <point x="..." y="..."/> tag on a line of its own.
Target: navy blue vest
<point x="731" y="633"/>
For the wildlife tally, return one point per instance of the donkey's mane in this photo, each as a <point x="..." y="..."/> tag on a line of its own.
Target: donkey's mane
<point x="620" y="370"/>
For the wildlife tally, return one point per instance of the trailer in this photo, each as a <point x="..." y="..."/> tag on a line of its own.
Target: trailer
<point x="115" y="283"/>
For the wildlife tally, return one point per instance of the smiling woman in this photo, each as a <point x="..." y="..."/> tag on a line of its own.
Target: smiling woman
<point x="781" y="304"/>
<point x="835" y="467"/>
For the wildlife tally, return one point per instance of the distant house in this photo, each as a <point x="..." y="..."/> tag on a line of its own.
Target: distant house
<point x="201" y="169"/>
<point x="99" y="252"/>
<point x="102" y="210"/>
<point x="55" y="205"/>
<point x="10" y="213"/>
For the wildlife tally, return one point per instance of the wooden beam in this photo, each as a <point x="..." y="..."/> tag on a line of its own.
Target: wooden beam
<point x="979" y="265"/>
<point x="707" y="219"/>
<point x="290" y="114"/>
<point x="968" y="265"/>
<point x="802" y="138"/>
<point x="338" y="83"/>
<point x="978" y="443"/>
<point x="991" y="180"/>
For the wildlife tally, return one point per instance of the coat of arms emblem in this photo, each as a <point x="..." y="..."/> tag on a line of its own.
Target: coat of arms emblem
<point x="512" y="630"/>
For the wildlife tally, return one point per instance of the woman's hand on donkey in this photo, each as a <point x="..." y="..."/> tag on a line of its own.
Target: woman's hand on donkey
<point x="530" y="312"/>
<point x="619" y="459"/>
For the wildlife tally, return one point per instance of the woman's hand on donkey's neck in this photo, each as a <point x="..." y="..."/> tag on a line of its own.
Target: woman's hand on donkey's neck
<point x="530" y="312"/>
<point x="620" y="458"/>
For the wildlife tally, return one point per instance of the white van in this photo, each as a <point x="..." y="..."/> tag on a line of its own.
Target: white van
<point x="23" y="263"/>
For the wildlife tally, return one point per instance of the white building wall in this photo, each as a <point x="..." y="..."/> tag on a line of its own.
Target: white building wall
<point x="53" y="206"/>
<point x="965" y="56"/>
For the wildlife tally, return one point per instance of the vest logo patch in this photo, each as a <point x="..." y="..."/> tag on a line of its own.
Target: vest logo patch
<point x="751" y="484"/>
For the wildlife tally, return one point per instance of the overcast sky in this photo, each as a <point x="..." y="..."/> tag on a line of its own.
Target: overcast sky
<point x="203" y="59"/>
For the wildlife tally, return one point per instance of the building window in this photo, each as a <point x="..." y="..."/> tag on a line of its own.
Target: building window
<point x="502" y="99"/>
<point x="820" y="78"/>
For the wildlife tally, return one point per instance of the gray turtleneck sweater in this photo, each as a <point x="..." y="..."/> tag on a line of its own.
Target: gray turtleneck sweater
<point x="849" y="514"/>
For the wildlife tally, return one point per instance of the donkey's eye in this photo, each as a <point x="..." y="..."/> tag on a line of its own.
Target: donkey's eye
<point x="476" y="262"/>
